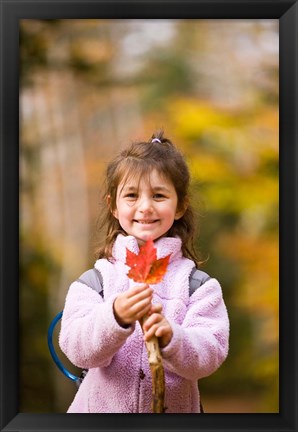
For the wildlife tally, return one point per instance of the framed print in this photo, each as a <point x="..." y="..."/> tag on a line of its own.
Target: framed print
<point x="221" y="77"/>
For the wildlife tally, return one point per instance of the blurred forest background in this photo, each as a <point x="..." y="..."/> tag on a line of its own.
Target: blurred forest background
<point x="89" y="87"/>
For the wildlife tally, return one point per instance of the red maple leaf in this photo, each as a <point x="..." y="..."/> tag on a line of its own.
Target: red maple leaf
<point x="145" y="267"/>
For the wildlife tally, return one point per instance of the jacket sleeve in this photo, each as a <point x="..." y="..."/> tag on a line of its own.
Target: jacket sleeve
<point x="90" y="335"/>
<point x="200" y="344"/>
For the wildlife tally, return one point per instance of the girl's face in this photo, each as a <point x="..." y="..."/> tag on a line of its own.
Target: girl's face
<point x="147" y="208"/>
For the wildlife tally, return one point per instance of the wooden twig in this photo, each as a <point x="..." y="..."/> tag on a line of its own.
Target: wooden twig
<point x="157" y="373"/>
<point x="146" y="268"/>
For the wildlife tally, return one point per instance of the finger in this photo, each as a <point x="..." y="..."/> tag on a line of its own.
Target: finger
<point x="138" y="309"/>
<point x="151" y="332"/>
<point x="139" y="315"/>
<point x="139" y="300"/>
<point x="156" y="308"/>
<point x="161" y="331"/>
<point x="137" y="289"/>
<point x="137" y="295"/>
<point x="153" y="319"/>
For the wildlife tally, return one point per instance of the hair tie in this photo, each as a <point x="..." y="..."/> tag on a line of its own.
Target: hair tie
<point x="156" y="139"/>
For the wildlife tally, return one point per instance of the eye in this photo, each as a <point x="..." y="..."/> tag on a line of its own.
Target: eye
<point x="131" y="195"/>
<point x="158" y="196"/>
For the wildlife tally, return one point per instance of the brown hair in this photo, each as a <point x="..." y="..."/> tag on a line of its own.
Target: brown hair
<point x="138" y="160"/>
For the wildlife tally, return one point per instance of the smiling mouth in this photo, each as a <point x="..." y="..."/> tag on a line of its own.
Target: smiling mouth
<point x="145" y="222"/>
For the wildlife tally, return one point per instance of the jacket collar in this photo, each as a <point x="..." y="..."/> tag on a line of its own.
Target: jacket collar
<point x="164" y="247"/>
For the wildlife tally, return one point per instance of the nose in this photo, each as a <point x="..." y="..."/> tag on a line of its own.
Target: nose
<point x="145" y="205"/>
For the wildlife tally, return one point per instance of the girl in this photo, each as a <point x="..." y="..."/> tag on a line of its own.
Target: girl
<point x="146" y="197"/>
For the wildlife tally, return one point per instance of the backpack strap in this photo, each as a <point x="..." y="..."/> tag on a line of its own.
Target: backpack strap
<point x="93" y="279"/>
<point x="196" y="279"/>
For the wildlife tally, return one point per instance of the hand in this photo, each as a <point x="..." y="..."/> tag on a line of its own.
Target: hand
<point x="156" y="324"/>
<point x="131" y="305"/>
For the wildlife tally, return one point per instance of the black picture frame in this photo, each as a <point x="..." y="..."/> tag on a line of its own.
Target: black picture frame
<point x="13" y="11"/>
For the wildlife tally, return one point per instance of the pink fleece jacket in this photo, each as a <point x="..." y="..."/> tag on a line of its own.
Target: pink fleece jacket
<point x="119" y="378"/>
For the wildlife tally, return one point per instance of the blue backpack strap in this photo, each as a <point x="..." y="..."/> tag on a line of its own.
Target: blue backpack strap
<point x="196" y="279"/>
<point x="93" y="279"/>
<point x="56" y="359"/>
